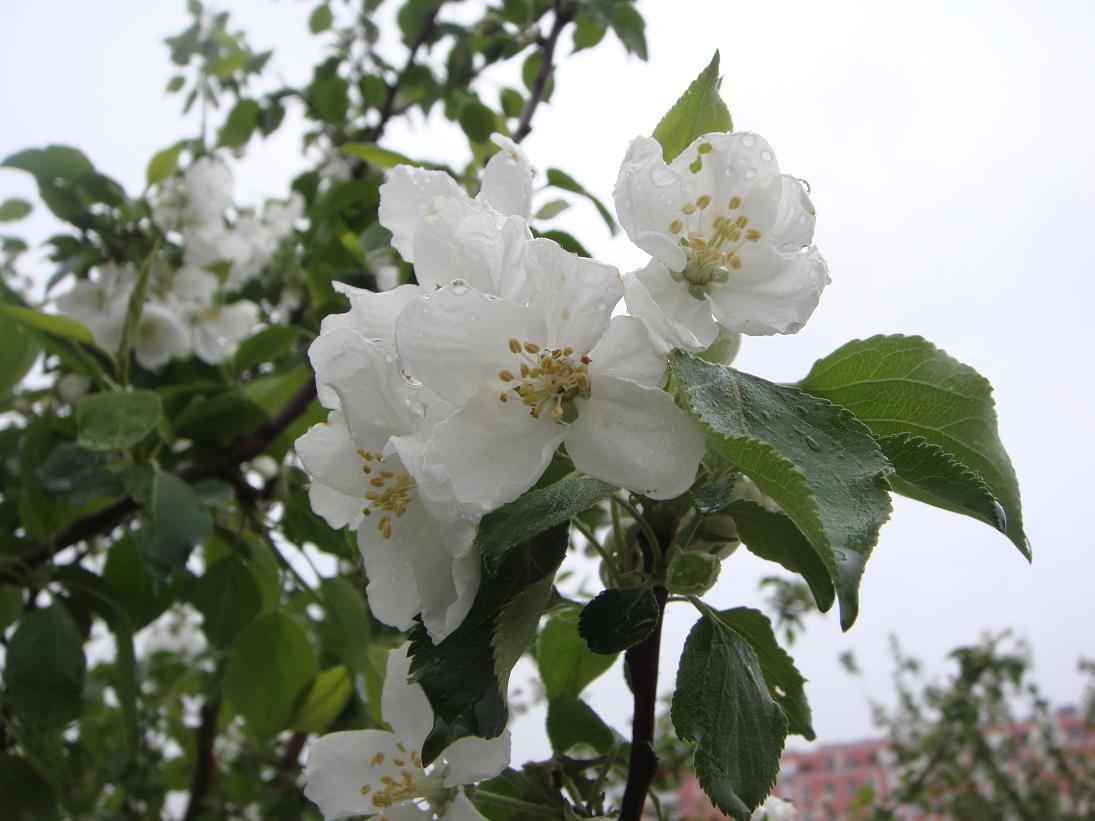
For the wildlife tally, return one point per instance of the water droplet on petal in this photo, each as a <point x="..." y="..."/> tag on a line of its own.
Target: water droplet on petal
<point x="766" y="155"/>
<point x="459" y="287"/>
<point x="661" y="175"/>
<point x="750" y="173"/>
<point x="749" y="141"/>
<point x="840" y="555"/>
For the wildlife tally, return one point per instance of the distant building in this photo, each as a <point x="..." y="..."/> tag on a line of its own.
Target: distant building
<point x="823" y="782"/>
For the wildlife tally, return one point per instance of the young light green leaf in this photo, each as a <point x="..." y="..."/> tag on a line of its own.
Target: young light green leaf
<point x="618" y="618"/>
<point x="320" y="19"/>
<point x="815" y="459"/>
<point x="62" y="326"/>
<point x="268" y="669"/>
<point x="566" y="664"/>
<point x="14" y="209"/>
<point x="326" y="697"/>
<point x="536" y="511"/>
<point x="115" y="420"/>
<point x="44" y="668"/>
<point x="550" y="209"/>
<point x="241" y="121"/>
<point x="377" y="156"/>
<point x="723" y="705"/>
<point x="905" y="385"/>
<point x="163" y="164"/>
<point x="699" y="111"/>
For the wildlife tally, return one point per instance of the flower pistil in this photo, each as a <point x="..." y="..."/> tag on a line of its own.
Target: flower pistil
<point x="547" y="380"/>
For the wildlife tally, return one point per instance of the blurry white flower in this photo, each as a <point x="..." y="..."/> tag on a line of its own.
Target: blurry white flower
<point x="216" y="331"/>
<point x="728" y="237"/>
<point x="161" y="335"/>
<point x="265" y="466"/>
<point x="774" y="809"/>
<point x="100" y="302"/>
<point x="372" y="772"/>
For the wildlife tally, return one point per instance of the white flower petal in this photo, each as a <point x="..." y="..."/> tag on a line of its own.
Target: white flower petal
<point x="160" y="337"/>
<point x="403" y="703"/>
<point x="773" y="293"/>
<point x="647" y="193"/>
<point x="635" y="437"/>
<point x="392" y="589"/>
<point x="404" y="198"/>
<point x="472" y="759"/>
<point x="371" y="314"/>
<point x="627" y="351"/>
<point x="440" y="620"/>
<point x="374" y="396"/>
<point x="493" y="450"/>
<point x="576" y="295"/>
<point x="217" y="331"/>
<point x="337" y="509"/>
<point x="461" y="809"/>
<point x="341" y="765"/>
<point x="794" y="225"/>
<point x="456" y="340"/>
<point x="507" y="180"/>
<point x="671" y="314"/>
<point x="194" y="285"/>
<point x="330" y="455"/>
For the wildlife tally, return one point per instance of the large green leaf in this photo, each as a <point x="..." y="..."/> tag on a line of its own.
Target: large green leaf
<point x="116" y="420"/>
<point x="785" y="682"/>
<point x="376" y="155"/>
<point x="268" y="669"/>
<point x="51" y="162"/>
<point x="570" y="721"/>
<point x="465" y="677"/>
<point x="24" y="794"/>
<point x="812" y="457"/>
<point x="723" y="705"/>
<point x="619" y="618"/>
<point x="536" y="511"/>
<point x="176" y="521"/>
<point x="326" y="697"/>
<point x="61" y="326"/>
<point x="566" y="664"/>
<point x="228" y="598"/>
<point x="905" y="385"/>
<point x="44" y="668"/>
<point x="18" y="351"/>
<point x="699" y="111"/>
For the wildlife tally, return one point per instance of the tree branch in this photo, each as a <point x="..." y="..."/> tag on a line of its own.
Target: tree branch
<point x="547" y="68"/>
<point x="223" y="464"/>
<point x="205" y="766"/>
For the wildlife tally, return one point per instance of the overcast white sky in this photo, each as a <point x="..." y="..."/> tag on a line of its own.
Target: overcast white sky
<point x="950" y="151"/>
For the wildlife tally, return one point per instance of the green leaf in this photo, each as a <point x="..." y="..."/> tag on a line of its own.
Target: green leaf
<point x="345" y="627"/>
<point x="722" y="704"/>
<point x="14" y="209"/>
<point x="477" y="121"/>
<point x="330" y="97"/>
<point x="775" y="537"/>
<point x="326" y="697"/>
<point x="175" y="84"/>
<point x="536" y="511"/>
<point x="11" y="605"/>
<point x="176" y="522"/>
<point x="692" y="572"/>
<point x="905" y="385"/>
<point x="116" y="420"/>
<point x="785" y="682"/>
<point x="566" y="663"/>
<point x="44" y="668"/>
<point x="53" y="324"/>
<point x="268" y="669"/>
<point x="587" y="33"/>
<point x="551" y="209"/>
<point x="630" y="27"/>
<point x="512" y="102"/>
<point x="320" y="19"/>
<point x="268" y="345"/>
<point x="376" y="156"/>
<point x="18" y="351"/>
<point x="240" y="123"/>
<point x="228" y="598"/>
<point x="163" y="164"/>
<point x="815" y="459"/>
<point x="224" y="67"/>
<point x="563" y="180"/>
<point x="618" y="618"/>
<point x="413" y="16"/>
<point x="570" y="722"/>
<point x="466" y="676"/>
<point x="52" y="162"/>
<point x="699" y="111"/>
<point x="24" y="794"/>
<point x="143" y="597"/>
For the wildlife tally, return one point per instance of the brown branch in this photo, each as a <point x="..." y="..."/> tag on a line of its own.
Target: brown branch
<point x="223" y="464"/>
<point x="547" y="68"/>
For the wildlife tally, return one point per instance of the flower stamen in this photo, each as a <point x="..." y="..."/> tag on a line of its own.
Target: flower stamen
<point x="549" y="380"/>
<point x="392" y="495"/>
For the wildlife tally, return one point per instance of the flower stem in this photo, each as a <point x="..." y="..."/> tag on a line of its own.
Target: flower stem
<point x="591" y="537"/>
<point x="654" y="558"/>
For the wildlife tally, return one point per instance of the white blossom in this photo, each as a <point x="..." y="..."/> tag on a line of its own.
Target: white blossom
<point x="774" y="809"/>
<point x="100" y="302"/>
<point x="373" y="772"/>
<point x="729" y="236"/>
<point x="160" y="336"/>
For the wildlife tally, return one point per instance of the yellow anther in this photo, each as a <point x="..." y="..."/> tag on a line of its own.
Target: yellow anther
<point x="514" y="346"/>
<point x="703" y="201"/>
<point x="534" y="413"/>
<point x="399" y="746"/>
<point x="676" y="226"/>
<point x="582" y="380"/>
<point x="399" y="762"/>
<point x="366" y="789"/>
<point x="689" y="208"/>
<point x="386" y="779"/>
<point x="752" y="234"/>
<point x="378" y="759"/>
<point x="735" y="203"/>
<point x="735" y="262"/>
<point x="377" y="481"/>
<point x="387" y="474"/>
<point x="366" y="469"/>
<point x="741" y="221"/>
<point x="557" y="412"/>
<point x="385" y="527"/>
<point x="415" y="759"/>
<point x="586" y="360"/>
<point x="524" y="370"/>
<point x="505" y="375"/>
<point x="735" y="235"/>
<point x="503" y="397"/>
<point x="364" y="454"/>
<point x="567" y="351"/>
<point x="532" y="347"/>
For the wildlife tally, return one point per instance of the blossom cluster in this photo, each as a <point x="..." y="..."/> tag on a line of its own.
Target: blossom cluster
<point x="451" y="397"/>
<point x="191" y="308"/>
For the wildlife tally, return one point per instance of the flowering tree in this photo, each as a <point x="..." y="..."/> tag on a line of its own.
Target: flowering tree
<point x="401" y="374"/>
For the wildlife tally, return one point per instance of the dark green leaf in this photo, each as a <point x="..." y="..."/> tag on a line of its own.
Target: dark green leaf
<point x="512" y="102"/>
<point x="320" y="18"/>
<point x="630" y="27"/>
<point x="905" y="385"/>
<point x="268" y="345"/>
<point x="11" y="605"/>
<point x="700" y="110"/>
<point x="774" y="537"/>
<point x="566" y="663"/>
<point x="51" y="162"/>
<point x="692" y="572"/>
<point x="815" y="459"/>
<point x="18" y="351"/>
<point x="477" y="121"/>
<point x="570" y="722"/>
<point x="268" y="669"/>
<point x="785" y="682"/>
<point x="61" y="326"/>
<point x="14" y="209"/>
<point x="618" y="618"/>
<point x="44" y="669"/>
<point x="587" y="33"/>
<point x="561" y="179"/>
<point x="241" y="121"/>
<point x="116" y="420"/>
<point x="24" y="794"/>
<point x="326" y="697"/>
<point x="536" y="511"/>
<point x="330" y="96"/>
<point x="218" y="419"/>
<point x="176" y="521"/>
<point x="413" y="17"/>
<point x="345" y="627"/>
<point x="143" y="597"/>
<point x="566" y="240"/>
<point x="228" y="598"/>
<point x="466" y="676"/>
<point x="722" y="704"/>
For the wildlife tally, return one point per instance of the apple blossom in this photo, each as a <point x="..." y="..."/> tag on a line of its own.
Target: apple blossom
<point x="379" y="773"/>
<point x="728" y="235"/>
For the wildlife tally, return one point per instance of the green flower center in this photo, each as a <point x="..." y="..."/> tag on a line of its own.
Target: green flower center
<point x="712" y="250"/>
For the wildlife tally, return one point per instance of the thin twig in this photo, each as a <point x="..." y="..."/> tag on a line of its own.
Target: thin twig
<point x="547" y="67"/>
